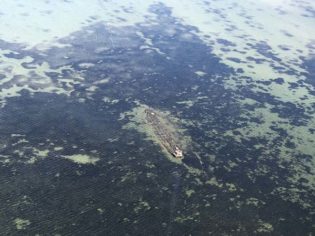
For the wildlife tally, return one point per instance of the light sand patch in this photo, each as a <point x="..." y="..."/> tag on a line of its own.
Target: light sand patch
<point x="187" y="103"/>
<point x="264" y="227"/>
<point x="102" y="81"/>
<point x="241" y="32"/>
<point x="58" y="148"/>
<point x="92" y="88"/>
<point x="4" y="159"/>
<point x="109" y="100"/>
<point x="148" y="44"/>
<point x="82" y="159"/>
<point x="200" y="73"/>
<point x="32" y="79"/>
<point x="189" y="192"/>
<point x="17" y="135"/>
<point x="142" y="206"/>
<point x="37" y="155"/>
<point x="63" y="19"/>
<point x="21" y="223"/>
<point x="86" y="65"/>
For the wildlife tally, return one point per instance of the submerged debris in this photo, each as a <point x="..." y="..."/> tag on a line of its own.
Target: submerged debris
<point x="160" y="127"/>
<point x="163" y="133"/>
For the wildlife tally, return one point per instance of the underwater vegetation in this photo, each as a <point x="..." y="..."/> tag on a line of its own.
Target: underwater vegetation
<point x="79" y="157"/>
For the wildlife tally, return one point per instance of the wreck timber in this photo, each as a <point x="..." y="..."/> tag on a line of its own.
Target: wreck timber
<point x="163" y="133"/>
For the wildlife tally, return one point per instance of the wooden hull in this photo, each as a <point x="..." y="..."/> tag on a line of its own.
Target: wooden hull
<point x="162" y="132"/>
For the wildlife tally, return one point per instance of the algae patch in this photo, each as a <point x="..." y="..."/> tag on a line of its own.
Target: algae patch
<point x="82" y="159"/>
<point x="21" y="223"/>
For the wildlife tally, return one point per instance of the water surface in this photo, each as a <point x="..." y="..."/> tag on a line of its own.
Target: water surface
<point x="235" y="78"/>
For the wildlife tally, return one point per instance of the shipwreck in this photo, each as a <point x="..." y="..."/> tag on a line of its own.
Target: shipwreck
<point x="163" y="133"/>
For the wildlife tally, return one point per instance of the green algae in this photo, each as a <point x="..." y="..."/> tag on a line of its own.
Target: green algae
<point x="82" y="159"/>
<point x="21" y="223"/>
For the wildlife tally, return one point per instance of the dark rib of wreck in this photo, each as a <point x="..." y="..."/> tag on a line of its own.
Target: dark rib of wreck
<point x="163" y="133"/>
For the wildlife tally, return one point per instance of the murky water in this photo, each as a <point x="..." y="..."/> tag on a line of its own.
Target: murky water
<point x="234" y="78"/>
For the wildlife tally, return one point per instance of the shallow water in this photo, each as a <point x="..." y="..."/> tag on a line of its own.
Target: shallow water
<point x="235" y="78"/>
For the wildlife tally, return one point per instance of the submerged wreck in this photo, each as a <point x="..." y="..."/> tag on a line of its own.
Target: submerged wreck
<point x="164" y="135"/>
